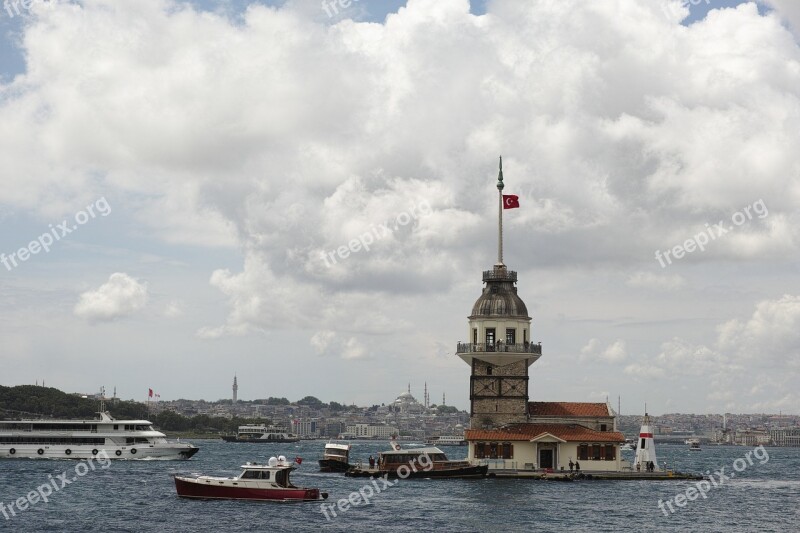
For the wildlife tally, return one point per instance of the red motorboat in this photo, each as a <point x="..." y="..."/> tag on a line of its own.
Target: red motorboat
<point x="256" y="482"/>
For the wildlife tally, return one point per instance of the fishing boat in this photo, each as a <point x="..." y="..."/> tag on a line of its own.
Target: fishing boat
<point x="261" y="433"/>
<point x="335" y="458"/>
<point x="83" y="439"/>
<point x="263" y="482"/>
<point x="427" y="462"/>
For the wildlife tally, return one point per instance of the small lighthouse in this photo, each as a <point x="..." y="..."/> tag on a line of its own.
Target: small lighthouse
<point x="645" y="448"/>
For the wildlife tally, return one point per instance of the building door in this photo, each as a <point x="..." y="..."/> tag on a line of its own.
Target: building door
<point x="545" y="458"/>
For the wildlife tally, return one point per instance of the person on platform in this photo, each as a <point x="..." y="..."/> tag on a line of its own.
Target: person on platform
<point x="371" y="462"/>
<point x="571" y="465"/>
<point x="577" y="466"/>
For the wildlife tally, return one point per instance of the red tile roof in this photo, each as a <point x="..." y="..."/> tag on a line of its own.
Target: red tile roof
<point x="526" y="432"/>
<point x="568" y="409"/>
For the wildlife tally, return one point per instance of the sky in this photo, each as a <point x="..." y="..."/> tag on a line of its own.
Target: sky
<point x="305" y="198"/>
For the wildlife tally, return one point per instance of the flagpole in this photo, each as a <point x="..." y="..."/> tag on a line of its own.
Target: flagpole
<point x="500" y="215"/>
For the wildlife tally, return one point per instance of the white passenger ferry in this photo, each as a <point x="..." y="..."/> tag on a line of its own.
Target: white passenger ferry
<point x="447" y="440"/>
<point x="81" y="439"/>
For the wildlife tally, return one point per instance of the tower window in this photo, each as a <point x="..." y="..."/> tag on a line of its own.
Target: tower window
<point x="490" y="337"/>
<point x="511" y="336"/>
<point x="489" y="370"/>
<point x="474" y="335"/>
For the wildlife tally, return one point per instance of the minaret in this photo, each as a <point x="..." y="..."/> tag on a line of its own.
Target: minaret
<point x="425" y="398"/>
<point x="235" y="389"/>
<point x="499" y="350"/>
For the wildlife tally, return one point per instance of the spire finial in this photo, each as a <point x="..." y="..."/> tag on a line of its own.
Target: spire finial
<point x="500" y="176"/>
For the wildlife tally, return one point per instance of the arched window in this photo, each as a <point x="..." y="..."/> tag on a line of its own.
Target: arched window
<point x="583" y="452"/>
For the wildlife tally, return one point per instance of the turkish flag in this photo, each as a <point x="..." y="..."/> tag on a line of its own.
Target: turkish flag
<point x="510" y="201"/>
<point x="150" y="395"/>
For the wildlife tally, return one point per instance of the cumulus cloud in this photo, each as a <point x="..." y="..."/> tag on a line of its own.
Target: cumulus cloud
<point x="613" y="353"/>
<point x="119" y="297"/>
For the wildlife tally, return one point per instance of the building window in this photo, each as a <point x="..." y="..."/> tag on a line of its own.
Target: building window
<point x="596" y="452"/>
<point x="603" y="427"/>
<point x="511" y="336"/>
<point x="610" y="452"/>
<point x="488" y="370"/>
<point x="480" y="451"/>
<point x="493" y="450"/>
<point x="490" y="336"/>
<point x="508" y="450"/>
<point x="474" y="335"/>
<point x="583" y="452"/>
<point x="524" y="335"/>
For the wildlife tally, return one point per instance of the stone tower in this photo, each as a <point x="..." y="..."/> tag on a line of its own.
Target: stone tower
<point x="499" y="350"/>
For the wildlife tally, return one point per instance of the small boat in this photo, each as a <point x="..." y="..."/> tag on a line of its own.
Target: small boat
<point x="630" y="445"/>
<point x="269" y="482"/>
<point x="428" y="462"/>
<point x="261" y="434"/>
<point x="447" y="440"/>
<point x="335" y="458"/>
<point x="694" y="445"/>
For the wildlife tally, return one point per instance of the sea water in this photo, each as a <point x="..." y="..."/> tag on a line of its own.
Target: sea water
<point x="140" y="496"/>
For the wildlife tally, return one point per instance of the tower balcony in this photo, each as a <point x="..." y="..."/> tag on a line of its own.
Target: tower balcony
<point x="499" y="274"/>
<point x="500" y="347"/>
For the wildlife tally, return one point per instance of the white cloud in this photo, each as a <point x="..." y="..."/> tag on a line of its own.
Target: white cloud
<point x="119" y="297"/>
<point x="648" y="280"/>
<point x="613" y="353"/>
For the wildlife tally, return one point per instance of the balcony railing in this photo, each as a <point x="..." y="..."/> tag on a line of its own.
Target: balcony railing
<point x="527" y="347"/>
<point x="499" y="275"/>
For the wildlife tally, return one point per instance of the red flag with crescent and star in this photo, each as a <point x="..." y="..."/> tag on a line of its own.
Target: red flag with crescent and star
<point x="510" y="201"/>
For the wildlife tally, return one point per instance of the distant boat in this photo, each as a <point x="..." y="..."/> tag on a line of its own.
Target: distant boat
<point x="630" y="445"/>
<point x="446" y="440"/>
<point x="261" y="434"/>
<point x="694" y="445"/>
<point x="83" y="439"/>
<point x="335" y="458"/>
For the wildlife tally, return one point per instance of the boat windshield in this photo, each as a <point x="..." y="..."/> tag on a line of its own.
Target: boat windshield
<point x="333" y="451"/>
<point x="255" y="474"/>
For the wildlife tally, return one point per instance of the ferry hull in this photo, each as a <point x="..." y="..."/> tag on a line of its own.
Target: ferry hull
<point x="233" y="438"/>
<point x="463" y="472"/>
<point x="332" y="465"/>
<point x="225" y="490"/>
<point x="143" y="452"/>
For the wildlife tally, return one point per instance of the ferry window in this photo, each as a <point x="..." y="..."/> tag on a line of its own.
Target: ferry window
<point x="610" y="452"/>
<point x="511" y="336"/>
<point x="479" y="451"/>
<point x="116" y="427"/>
<point x="596" y="452"/>
<point x="583" y="452"/>
<point x="490" y="336"/>
<point x="508" y="450"/>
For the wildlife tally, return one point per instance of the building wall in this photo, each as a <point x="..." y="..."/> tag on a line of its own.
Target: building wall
<point x="522" y="326"/>
<point x="490" y="407"/>
<point x="526" y="457"/>
<point x="595" y="423"/>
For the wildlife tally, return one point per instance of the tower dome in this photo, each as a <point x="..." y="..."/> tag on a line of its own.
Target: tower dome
<point x="499" y="297"/>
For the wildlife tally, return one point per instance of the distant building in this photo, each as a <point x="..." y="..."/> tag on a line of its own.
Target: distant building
<point x="785" y="436"/>
<point x="371" y="431"/>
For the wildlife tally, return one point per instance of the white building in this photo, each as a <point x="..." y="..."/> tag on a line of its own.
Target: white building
<point x="371" y="431"/>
